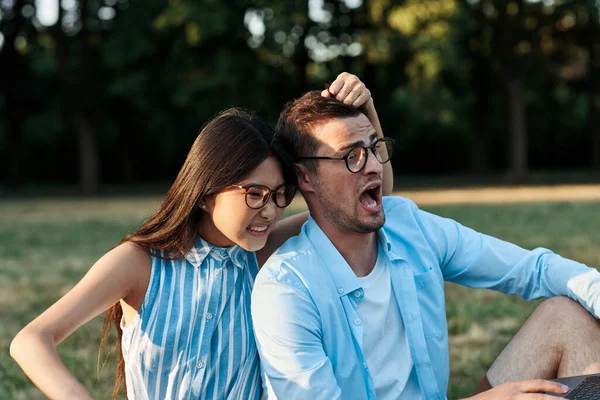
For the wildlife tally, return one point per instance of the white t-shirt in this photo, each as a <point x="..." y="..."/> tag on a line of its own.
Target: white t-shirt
<point x="385" y="344"/>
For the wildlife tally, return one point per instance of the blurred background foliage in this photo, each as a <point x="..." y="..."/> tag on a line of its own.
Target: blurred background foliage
<point x="96" y="92"/>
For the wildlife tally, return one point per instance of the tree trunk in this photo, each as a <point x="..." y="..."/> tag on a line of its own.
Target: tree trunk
<point x="594" y="127"/>
<point x="479" y="150"/>
<point x="517" y="115"/>
<point x="480" y="78"/>
<point x="593" y="95"/>
<point x="89" y="171"/>
<point x="15" y="88"/>
<point x="14" y="125"/>
<point x="128" y="171"/>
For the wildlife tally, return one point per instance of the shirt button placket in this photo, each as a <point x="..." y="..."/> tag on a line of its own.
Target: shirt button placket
<point x="210" y="318"/>
<point x="198" y="377"/>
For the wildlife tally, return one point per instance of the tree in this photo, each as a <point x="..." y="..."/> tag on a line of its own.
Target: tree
<point x="76" y="37"/>
<point x="581" y="33"/>
<point x="16" y="85"/>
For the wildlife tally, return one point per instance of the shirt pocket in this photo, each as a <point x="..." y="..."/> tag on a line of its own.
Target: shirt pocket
<point x="430" y="294"/>
<point x="426" y="279"/>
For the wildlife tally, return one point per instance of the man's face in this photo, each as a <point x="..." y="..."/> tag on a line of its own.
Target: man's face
<point x="349" y="201"/>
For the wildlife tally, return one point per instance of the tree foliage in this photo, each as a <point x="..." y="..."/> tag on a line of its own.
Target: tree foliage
<point x="114" y="91"/>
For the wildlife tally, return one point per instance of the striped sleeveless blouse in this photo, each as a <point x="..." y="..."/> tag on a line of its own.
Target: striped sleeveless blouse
<point x="192" y="337"/>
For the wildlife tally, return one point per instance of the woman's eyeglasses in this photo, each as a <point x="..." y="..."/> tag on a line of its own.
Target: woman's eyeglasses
<point x="258" y="195"/>
<point x="357" y="157"/>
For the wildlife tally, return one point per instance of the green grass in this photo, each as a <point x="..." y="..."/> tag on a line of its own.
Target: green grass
<point x="46" y="246"/>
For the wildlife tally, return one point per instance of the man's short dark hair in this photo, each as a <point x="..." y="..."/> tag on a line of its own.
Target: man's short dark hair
<point x="300" y="117"/>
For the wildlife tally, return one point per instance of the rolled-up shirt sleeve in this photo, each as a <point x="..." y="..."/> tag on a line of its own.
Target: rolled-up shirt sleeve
<point x="287" y="327"/>
<point x="477" y="260"/>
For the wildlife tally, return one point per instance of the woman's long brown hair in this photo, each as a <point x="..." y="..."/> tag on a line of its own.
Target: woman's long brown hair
<point x="228" y="148"/>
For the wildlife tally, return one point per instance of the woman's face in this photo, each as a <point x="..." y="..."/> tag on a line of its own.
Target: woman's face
<point x="230" y="221"/>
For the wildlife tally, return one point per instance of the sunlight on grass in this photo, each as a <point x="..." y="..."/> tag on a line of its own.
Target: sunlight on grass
<point x="46" y="246"/>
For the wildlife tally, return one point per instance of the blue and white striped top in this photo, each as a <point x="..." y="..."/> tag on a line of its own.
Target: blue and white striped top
<point x="192" y="337"/>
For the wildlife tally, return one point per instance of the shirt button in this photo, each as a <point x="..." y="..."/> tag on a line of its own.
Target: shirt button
<point x="209" y="316"/>
<point x="357" y="321"/>
<point x="357" y="293"/>
<point x="200" y="365"/>
<point x="340" y="290"/>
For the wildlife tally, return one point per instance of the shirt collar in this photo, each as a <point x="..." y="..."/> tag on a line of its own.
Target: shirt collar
<point x="203" y="249"/>
<point x="344" y="278"/>
<point x="388" y="248"/>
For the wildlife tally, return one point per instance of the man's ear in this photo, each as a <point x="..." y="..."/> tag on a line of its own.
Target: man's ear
<point x="306" y="179"/>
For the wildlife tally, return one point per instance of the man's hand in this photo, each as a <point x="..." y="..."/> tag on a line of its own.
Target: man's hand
<point x="348" y="89"/>
<point x="525" y="390"/>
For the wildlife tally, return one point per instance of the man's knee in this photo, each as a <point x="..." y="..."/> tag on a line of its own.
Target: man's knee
<point x="562" y="303"/>
<point x="560" y="313"/>
<point x="559" y="308"/>
<point x="591" y="368"/>
<point x="550" y="344"/>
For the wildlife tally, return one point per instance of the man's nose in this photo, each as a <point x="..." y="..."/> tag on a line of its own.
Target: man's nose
<point x="373" y="166"/>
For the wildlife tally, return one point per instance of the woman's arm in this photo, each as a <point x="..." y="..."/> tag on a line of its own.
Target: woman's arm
<point x="120" y="274"/>
<point x="388" y="173"/>
<point x="284" y="229"/>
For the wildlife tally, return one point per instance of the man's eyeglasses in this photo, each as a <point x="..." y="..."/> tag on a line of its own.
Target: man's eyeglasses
<point x="357" y="157"/>
<point x="258" y="195"/>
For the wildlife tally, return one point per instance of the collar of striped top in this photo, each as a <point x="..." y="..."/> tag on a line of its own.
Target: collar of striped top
<point x="203" y="249"/>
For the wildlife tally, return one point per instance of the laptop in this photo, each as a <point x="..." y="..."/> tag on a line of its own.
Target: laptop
<point x="583" y="387"/>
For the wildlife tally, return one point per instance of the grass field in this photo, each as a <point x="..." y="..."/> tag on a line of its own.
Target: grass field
<point x="47" y="245"/>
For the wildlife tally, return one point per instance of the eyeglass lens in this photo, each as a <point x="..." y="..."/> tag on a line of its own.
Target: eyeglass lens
<point x="357" y="157"/>
<point x="257" y="196"/>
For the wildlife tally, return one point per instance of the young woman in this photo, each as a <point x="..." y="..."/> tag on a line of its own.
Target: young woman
<point x="178" y="289"/>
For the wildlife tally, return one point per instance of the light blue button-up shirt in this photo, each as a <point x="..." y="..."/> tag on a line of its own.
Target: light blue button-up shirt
<point x="304" y="300"/>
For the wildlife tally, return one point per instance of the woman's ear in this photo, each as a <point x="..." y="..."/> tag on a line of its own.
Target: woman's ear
<point x="206" y="203"/>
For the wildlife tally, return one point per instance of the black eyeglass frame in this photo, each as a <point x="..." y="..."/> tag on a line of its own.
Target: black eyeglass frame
<point x="266" y="197"/>
<point x="366" y="149"/>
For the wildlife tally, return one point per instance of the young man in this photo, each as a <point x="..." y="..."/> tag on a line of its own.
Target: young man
<point x="353" y="307"/>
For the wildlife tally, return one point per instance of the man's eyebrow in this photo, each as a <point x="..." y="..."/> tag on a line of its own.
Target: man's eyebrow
<point x="372" y="139"/>
<point x="351" y="145"/>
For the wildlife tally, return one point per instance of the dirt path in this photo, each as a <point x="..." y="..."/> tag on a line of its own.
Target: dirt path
<point x="140" y="207"/>
<point x="516" y="194"/>
<point x="494" y="195"/>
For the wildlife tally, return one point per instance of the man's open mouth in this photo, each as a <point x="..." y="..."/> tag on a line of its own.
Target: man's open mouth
<point x="370" y="197"/>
